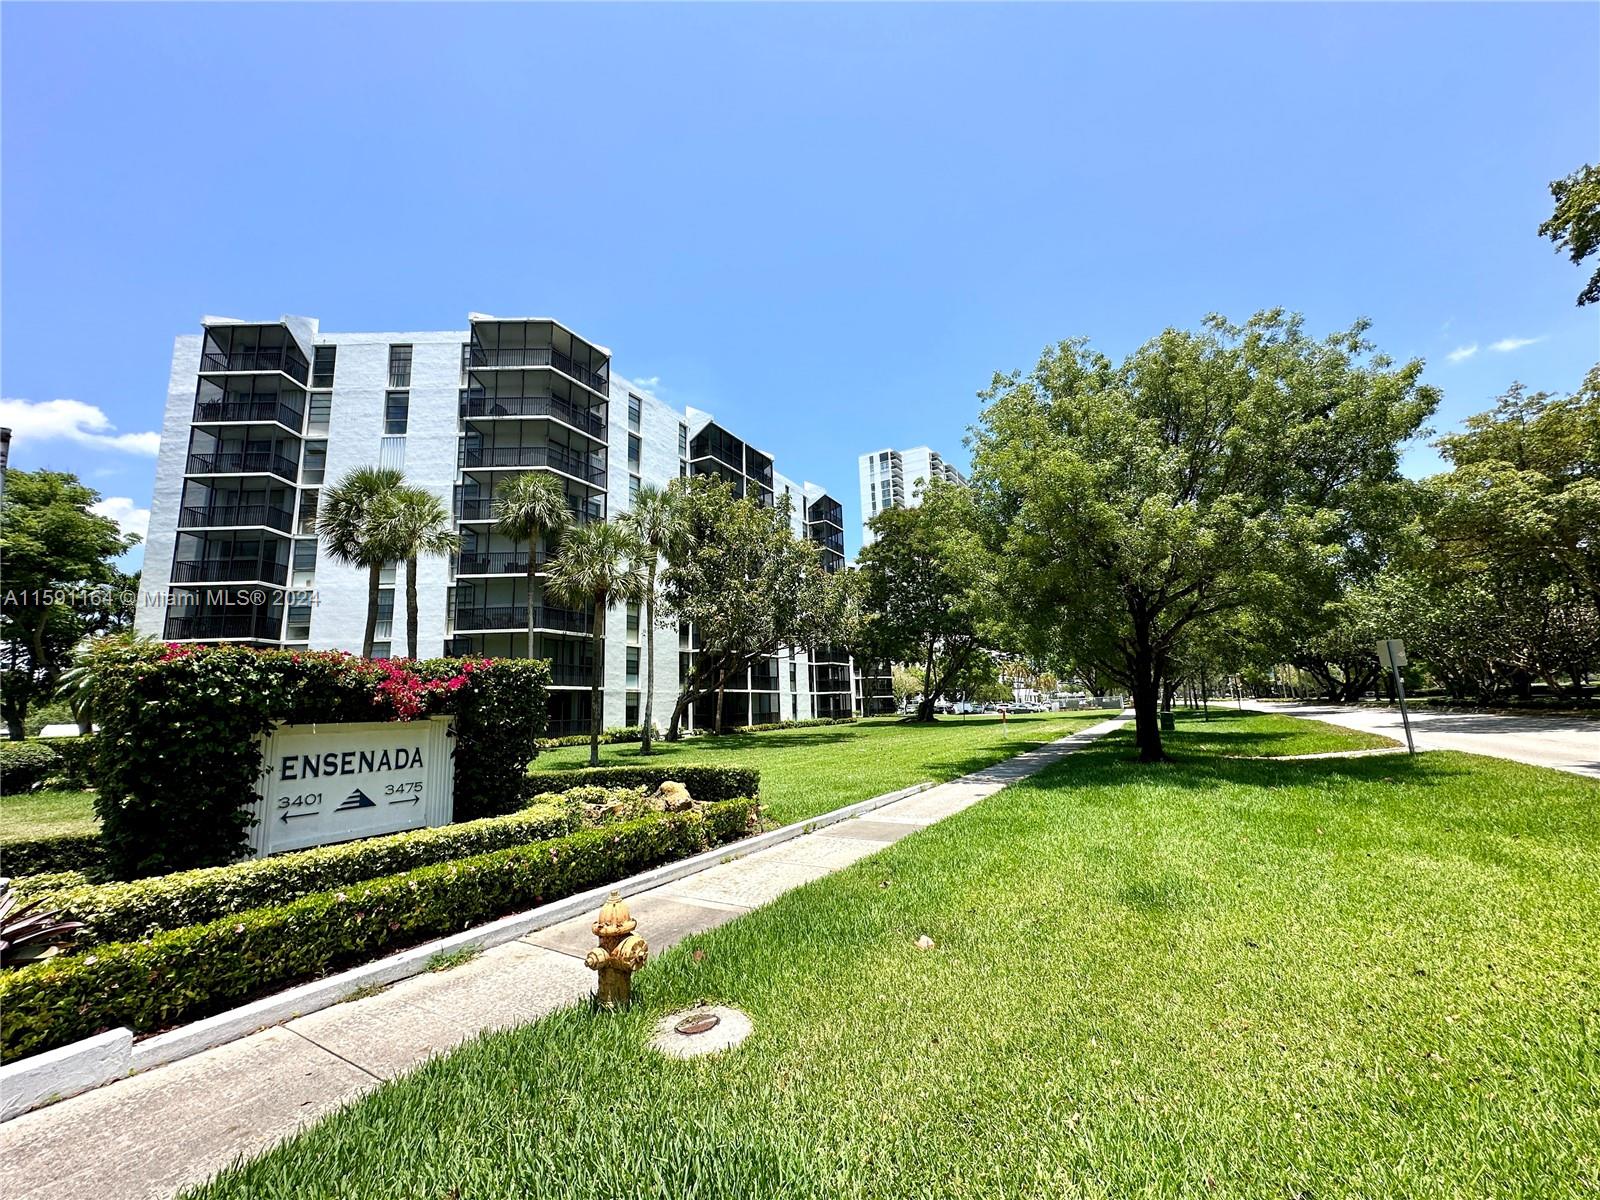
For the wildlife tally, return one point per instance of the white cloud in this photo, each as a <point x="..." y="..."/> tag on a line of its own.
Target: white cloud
<point x="129" y="517"/>
<point x="1462" y="353"/>
<point x="1507" y="345"/>
<point x="73" y="421"/>
<point x="654" y="381"/>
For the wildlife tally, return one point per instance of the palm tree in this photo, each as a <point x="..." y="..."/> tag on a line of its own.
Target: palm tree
<point x="599" y="565"/>
<point x="345" y="523"/>
<point x="413" y="522"/>
<point x="533" y="505"/>
<point x="657" y="523"/>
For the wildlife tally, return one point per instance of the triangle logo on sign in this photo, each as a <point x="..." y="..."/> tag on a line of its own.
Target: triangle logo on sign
<point x="357" y="799"/>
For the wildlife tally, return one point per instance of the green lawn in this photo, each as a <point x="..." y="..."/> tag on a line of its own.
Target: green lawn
<point x="815" y="769"/>
<point x="1366" y="977"/>
<point x="46" y="814"/>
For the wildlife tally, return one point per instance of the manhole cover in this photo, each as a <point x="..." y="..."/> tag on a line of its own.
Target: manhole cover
<point x="705" y="1030"/>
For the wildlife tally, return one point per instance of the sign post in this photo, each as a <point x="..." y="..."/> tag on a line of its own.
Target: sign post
<point x="1392" y="654"/>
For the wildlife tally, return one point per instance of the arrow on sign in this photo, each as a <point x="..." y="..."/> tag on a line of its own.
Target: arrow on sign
<point x="409" y="800"/>
<point x="287" y="817"/>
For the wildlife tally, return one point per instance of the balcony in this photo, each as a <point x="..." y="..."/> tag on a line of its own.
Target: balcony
<point x="484" y="358"/>
<point x="277" y="358"/>
<point x="515" y="617"/>
<point x="496" y="562"/>
<point x="830" y="679"/>
<point x="475" y="509"/>
<point x="215" y="570"/>
<point x="586" y="420"/>
<point x="245" y="625"/>
<point x="524" y="457"/>
<point x="224" y="516"/>
<point x="216" y="412"/>
<point x="571" y="675"/>
<point x="246" y="462"/>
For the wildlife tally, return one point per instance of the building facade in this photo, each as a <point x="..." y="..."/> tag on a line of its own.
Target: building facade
<point x="260" y="415"/>
<point x="896" y="479"/>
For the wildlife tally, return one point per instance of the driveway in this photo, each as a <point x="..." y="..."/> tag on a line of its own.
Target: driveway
<point x="1565" y="743"/>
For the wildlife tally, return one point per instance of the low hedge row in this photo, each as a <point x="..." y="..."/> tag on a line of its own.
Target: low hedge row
<point x="119" y="912"/>
<point x="769" y="726"/>
<point x="77" y="770"/>
<point x="708" y="785"/>
<point x="25" y="765"/>
<point x="608" y="737"/>
<point x="192" y="972"/>
<point x="63" y="852"/>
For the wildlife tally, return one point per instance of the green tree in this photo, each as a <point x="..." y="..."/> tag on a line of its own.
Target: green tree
<point x="349" y="523"/>
<point x="412" y="522"/>
<point x="599" y="566"/>
<point x="533" y="507"/>
<point x="926" y="590"/>
<point x="747" y="584"/>
<point x="906" y="681"/>
<point x="61" y="583"/>
<point x="1209" y="473"/>
<point x="656" y="522"/>
<point x="1574" y="226"/>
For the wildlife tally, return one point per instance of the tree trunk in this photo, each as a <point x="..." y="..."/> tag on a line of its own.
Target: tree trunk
<point x="1146" y="688"/>
<point x="1168" y="687"/>
<point x="649" y="660"/>
<point x="594" y="682"/>
<point x="374" y="574"/>
<point x="411" y="607"/>
<point x="533" y="571"/>
<point x="722" y="688"/>
<point x="675" y="724"/>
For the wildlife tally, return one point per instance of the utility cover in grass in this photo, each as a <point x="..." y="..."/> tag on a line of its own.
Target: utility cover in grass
<point x="707" y="1029"/>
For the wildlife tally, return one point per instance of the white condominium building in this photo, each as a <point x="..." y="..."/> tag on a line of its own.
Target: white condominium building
<point x="896" y="479"/>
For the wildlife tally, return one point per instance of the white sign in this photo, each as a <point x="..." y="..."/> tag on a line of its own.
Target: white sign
<point x="335" y="783"/>
<point x="1392" y="654"/>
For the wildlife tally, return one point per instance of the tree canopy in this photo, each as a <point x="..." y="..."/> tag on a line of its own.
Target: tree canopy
<point x="1574" y="226"/>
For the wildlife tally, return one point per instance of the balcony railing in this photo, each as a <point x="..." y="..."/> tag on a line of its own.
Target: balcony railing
<point x="475" y="509"/>
<point x="224" y="515"/>
<point x="488" y="407"/>
<point x="213" y="570"/>
<point x="553" y="457"/>
<point x="243" y="463"/>
<point x="515" y="616"/>
<point x="537" y="356"/>
<point x="210" y="411"/>
<point x="571" y="675"/>
<point x="496" y="562"/>
<point x="255" y="625"/>
<point x="281" y="358"/>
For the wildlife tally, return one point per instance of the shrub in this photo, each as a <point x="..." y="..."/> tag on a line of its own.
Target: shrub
<point x="708" y="785"/>
<point x="25" y="765"/>
<point x="194" y="714"/>
<point x="617" y="735"/>
<point x="114" y="912"/>
<point x="48" y="881"/>
<point x="188" y="973"/>
<point x="77" y="761"/>
<point x="63" y="852"/>
<point x="769" y="726"/>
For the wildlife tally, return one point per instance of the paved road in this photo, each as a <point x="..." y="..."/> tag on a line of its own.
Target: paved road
<point x="1565" y="743"/>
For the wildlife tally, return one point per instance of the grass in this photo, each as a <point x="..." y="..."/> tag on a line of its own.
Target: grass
<point x="46" y="813"/>
<point x="808" y="771"/>
<point x="1224" y="977"/>
<point x="447" y="960"/>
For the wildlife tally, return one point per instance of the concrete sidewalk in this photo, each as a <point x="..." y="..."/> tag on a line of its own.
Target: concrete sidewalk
<point x="153" y="1134"/>
<point x="1569" y="744"/>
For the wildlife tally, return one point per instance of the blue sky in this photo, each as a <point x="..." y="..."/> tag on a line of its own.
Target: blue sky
<point x="828" y="225"/>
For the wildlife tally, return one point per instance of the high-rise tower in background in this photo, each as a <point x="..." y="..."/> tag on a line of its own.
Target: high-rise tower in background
<point x="896" y="479"/>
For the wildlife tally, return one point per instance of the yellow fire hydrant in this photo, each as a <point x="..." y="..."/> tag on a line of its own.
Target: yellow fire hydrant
<point x="620" y="953"/>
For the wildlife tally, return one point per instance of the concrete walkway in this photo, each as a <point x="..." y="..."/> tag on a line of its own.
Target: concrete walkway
<point x="1566" y="743"/>
<point x="153" y="1134"/>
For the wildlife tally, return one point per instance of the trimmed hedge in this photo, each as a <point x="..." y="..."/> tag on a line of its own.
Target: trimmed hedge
<point x="25" y="765"/>
<point x="77" y="755"/>
<point x="178" y="752"/>
<point x="189" y="973"/>
<point x="769" y="726"/>
<point x="63" y="852"/>
<point x="615" y="736"/>
<point x="708" y="785"/>
<point x="117" y="912"/>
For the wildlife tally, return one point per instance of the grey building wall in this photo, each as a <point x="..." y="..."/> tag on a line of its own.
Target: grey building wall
<point x="167" y="496"/>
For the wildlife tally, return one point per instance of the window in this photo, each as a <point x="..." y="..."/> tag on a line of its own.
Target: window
<point x="308" y="512"/>
<point x="633" y="666"/>
<point x="322" y="366"/>
<point x="298" y="626"/>
<point x="633" y="623"/>
<point x="320" y="410"/>
<point x="632" y="715"/>
<point x="305" y="555"/>
<point x="633" y="488"/>
<point x="396" y="412"/>
<point x="399" y="366"/>
<point x="683" y="441"/>
<point x="314" y="462"/>
<point x="634" y="450"/>
<point x="635" y="408"/>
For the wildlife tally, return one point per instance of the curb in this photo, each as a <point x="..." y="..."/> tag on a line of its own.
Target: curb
<point x="82" y="1066"/>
